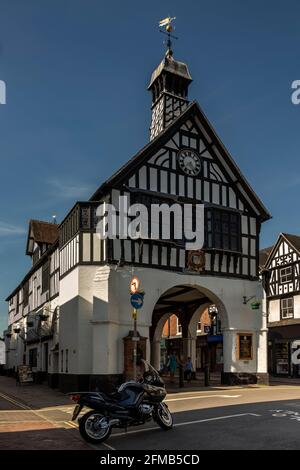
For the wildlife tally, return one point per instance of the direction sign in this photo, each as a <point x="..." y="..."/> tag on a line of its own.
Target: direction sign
<point x="137" y="300"/>
<point x="134" y="285"/>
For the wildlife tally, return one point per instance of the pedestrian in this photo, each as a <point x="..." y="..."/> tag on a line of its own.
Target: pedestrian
<point x="188" y="369"/>
<point x="172" y="365"/>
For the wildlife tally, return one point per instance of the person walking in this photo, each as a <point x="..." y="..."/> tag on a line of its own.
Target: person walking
<point x="188" y="369"/>
<point x="172" y="365"/>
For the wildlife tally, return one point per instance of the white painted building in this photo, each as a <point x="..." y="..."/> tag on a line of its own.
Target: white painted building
<point x="69" y="316"/>
<point x="2" y="352"/>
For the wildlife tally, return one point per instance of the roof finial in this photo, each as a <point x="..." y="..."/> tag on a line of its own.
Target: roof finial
<point x="169" y="28"/>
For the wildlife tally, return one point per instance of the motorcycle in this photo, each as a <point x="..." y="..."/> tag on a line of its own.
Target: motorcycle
<point x="134" y="403"/>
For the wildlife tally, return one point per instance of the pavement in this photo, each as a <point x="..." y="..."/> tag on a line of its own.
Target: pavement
<point x="246" y="417"/>
<point x="35" y="417"/>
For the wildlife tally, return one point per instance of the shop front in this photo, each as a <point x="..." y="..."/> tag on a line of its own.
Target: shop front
<point x="282" y="343"/>
<point x="209" y="350"/>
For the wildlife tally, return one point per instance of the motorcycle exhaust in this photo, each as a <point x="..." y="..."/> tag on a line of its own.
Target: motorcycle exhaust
<point x="114" y="422"/>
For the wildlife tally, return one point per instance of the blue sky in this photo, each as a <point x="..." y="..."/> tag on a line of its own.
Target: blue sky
<point x="77" y="107"/>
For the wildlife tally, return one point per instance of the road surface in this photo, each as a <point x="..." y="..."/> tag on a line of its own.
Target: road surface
<point x="237" y="418"/>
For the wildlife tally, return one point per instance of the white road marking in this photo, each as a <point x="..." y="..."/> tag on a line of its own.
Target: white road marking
<point x="202" y="396"/>
<point x="122" y="434"/>
<point x="106" y="445"/>
<point x="215" y="419"/>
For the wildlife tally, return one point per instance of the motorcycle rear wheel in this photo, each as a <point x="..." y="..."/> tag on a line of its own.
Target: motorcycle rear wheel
<point x="163" y="417"/>
<point x="94" y="427"/>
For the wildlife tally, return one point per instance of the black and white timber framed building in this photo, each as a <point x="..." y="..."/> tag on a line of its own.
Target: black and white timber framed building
<point x="280" y="268"/>
<point x="69" y="315"/>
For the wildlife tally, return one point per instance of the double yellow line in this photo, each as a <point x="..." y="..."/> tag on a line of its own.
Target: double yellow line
<point x="15" y="402"/>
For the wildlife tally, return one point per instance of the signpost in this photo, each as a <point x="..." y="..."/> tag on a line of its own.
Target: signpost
<point x="134" y="285"/>
<point x="137" y="301"/>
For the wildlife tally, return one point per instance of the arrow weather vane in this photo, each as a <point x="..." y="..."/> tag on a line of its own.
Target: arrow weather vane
<point x="168" y="30"/>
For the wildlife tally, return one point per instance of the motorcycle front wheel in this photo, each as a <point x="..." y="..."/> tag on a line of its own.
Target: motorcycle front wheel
<point x="94" y="427"/>
<point x="163" y="417"/>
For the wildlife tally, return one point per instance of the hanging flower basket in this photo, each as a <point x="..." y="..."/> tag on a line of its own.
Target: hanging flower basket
<point x="255" y="305"/>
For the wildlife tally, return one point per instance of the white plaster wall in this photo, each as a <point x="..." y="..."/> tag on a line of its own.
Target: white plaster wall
<point x="274" y="310"/>
<point x="75" y="327"/>
<point x="2" y="352"/>
<point x="296" y="306"/>
<point x="112" y="315"/>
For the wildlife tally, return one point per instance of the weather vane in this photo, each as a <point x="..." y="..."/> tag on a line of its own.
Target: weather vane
<point x="166" y="22"/>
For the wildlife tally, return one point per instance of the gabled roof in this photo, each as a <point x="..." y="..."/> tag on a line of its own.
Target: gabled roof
<point x="41" y="232"/>
<point x="293" y="240"/>
<point x="263" y="256"/>
<point x="34" y="268"/>
<point x="228" y="164"/>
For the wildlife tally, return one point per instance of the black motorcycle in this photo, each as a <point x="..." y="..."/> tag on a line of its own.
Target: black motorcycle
<point x="134" y="403"/>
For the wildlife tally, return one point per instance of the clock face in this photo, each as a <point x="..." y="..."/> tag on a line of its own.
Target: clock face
<point x="189" y="162"/>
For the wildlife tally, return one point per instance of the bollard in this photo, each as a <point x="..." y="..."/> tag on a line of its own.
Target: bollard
<point x="181" y="378"/>
<point x="206" y="376"/>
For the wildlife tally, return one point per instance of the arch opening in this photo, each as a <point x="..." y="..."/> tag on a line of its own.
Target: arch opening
<point x="188" y="320"/>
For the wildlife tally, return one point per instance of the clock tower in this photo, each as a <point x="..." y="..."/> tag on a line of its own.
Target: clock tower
<point x="169" y="87"/>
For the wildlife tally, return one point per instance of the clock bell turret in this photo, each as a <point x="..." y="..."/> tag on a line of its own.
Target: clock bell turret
<point x="169" y="87"/>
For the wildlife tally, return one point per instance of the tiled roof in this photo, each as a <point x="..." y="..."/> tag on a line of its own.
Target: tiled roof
<point x="263" y="255"/>
<point x="44" y="232"/>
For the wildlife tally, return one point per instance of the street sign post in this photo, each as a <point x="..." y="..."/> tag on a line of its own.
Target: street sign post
<point x="137" y="301"/>
<point x="134" y="285"/>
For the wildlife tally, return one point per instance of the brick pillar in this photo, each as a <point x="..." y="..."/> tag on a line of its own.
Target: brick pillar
<point x="128" y="354"/>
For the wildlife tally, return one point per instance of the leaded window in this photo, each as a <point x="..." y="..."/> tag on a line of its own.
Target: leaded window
<point x="286" y="274"/>
<point x="223" y="231"/>
<point x="287" y="308"/>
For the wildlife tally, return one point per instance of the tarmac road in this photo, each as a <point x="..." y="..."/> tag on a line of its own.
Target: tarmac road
<point x="220" y="418"/>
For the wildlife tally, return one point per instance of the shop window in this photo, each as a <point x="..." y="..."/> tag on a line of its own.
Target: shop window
<point x="282" y="358"/>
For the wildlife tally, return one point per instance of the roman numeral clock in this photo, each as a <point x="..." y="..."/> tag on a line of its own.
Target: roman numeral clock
<point x="189" y="162"/>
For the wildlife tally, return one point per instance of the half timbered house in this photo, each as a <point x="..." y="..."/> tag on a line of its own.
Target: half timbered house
<point x="184" y="162"/>
<point x="280" y="267"/>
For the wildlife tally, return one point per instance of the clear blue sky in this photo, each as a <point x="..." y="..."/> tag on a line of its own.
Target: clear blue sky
<point x="77" y="106"/>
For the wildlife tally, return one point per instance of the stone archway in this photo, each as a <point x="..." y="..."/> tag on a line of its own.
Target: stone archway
<point x="187" y="302"/>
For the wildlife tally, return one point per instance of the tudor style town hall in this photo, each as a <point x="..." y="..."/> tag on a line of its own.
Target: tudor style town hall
<point x="70" y="318"/>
